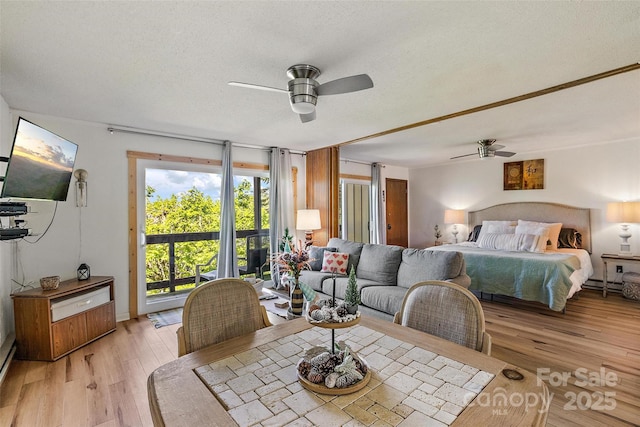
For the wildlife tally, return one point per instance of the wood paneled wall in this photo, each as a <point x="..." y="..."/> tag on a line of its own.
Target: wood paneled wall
<point x="322" y="182"/>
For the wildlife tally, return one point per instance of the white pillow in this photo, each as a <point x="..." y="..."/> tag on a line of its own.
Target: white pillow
<point x="513" y="242"/>
<point x="554" y="231"/>
<point x="497" y="227"/>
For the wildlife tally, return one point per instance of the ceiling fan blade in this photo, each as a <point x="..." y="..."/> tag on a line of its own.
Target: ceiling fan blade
<point x="496" y="147"/>
<point x="304" y="118"/>
<point x="504" y="153"/>
<point x="464" y="155"/>
<point x="345" y="85"/>
<point x="252" y="86"/>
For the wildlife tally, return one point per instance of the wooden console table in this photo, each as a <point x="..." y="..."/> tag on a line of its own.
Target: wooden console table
<point x="51" y="324"/>
<point x="611" y="258"/>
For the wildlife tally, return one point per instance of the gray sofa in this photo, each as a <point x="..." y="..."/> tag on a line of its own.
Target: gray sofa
<point x="384" y="273"/>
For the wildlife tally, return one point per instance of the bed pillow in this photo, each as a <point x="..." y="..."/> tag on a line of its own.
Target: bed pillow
<point x="335" y="261"/>
<point x="518" y="242"/>
<point x="554" y="231"/>
<point x="497" y="227"/>
<point x="569" y="238"/>
<point x="475" y="233"/>
<point x="316" y="256"/>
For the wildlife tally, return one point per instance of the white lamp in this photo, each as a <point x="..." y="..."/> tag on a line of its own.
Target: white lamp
<point x="308" y="220"/>
<point x="624" y="213"/>
<point x="455" y="217"/>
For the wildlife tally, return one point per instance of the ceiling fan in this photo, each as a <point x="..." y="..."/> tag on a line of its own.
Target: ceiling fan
<point x="304" y="90"/>
<point x="486" y="149"/>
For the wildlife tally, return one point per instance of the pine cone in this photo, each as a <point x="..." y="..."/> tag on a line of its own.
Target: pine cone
<point x="303" y="368"/>
<point x="315" y="377"/>
<point x="341" y="311"/>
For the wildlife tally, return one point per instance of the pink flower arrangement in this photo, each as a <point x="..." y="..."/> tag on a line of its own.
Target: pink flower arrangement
<point x="293" y="260"/>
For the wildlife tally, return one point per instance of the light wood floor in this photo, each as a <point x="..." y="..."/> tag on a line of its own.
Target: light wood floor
<point x="104" y="383"/>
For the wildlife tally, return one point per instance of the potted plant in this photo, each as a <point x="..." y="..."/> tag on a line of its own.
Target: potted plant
<point x="351" y="296"/>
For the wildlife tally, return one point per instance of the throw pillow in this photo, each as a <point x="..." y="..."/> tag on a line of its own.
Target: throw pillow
<point x="335" y="261"/>
<point x="518" y="242"/>
<point x="554" y="231"/>
<point x="316" y="256"/>
<point x="497" y="227"/>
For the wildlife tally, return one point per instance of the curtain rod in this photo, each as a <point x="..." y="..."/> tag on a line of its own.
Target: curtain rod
<point x="360" y="162"/>
<point x="137" y="131"/>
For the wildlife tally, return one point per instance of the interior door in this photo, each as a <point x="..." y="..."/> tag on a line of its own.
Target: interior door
<point x="396" y="208"/>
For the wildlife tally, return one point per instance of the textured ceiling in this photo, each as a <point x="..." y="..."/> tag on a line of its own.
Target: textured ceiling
<point x="165" y="66"/>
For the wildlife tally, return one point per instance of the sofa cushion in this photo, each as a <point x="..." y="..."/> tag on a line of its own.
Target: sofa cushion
<point x="384" y="298"/>
<point x="341" y="285"/>
<point x="380" y="263"/>
<point x="419" y="265"/>
<point x="316" y="255"/>
<point x="335" y="262"/>
<point x="354" y="249"/>
<point x="314" y="279"/>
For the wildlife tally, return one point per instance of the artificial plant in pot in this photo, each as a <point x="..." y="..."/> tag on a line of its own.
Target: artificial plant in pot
<point x="351" y="295"/>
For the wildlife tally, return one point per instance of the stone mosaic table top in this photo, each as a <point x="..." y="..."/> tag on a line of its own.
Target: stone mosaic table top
<point x="409" y="386"/>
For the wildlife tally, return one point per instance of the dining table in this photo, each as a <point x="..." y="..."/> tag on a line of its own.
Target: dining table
<point x="416" y="379"/>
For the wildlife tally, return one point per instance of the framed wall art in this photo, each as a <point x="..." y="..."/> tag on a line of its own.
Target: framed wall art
<point x="524" y="175"/>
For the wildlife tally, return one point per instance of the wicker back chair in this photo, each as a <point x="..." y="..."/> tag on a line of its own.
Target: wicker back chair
<point x="446" y="310"/>
<point x="217" y="311"/>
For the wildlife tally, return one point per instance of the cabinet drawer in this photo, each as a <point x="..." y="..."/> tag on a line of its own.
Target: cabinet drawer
<point x="65" y="307"/>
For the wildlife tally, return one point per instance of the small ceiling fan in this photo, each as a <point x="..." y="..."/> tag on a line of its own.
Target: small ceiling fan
<point x="486" y="149"/>
<point x="304" y="90"/>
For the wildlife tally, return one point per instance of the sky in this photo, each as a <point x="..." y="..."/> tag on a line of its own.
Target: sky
<point x="167" y="182"/>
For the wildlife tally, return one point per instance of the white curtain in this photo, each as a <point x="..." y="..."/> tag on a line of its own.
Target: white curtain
<point x="377" y="205"/>
<point x="281" y="209"/>
<point x="227" y="257"/>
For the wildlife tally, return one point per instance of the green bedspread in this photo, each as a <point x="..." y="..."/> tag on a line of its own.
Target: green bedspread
<point x="524" y="275"/>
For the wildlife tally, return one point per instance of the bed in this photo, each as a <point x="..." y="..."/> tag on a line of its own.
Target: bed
<point x="550" y="277"/>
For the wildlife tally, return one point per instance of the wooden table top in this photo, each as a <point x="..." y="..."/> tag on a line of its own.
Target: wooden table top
<point x="178" y="397"/>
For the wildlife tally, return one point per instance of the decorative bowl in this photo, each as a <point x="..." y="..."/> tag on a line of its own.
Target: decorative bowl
<point x="50" y="283"/>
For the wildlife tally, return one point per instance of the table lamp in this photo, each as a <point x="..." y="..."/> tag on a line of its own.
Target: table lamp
<point x="308" y="220"/>
<point x="455" y="217"/>
<point x="624" y="213"/>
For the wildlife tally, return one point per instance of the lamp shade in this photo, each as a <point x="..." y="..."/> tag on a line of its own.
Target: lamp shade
<point x="308" y="219"/>
<point x="453" y="216"/>
<point x="623" y="212"/>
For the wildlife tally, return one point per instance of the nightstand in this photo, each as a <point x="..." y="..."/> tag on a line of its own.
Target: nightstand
<point x="611" y="258"/>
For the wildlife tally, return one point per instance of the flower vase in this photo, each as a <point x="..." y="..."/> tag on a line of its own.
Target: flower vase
<point x="297" y="298"/>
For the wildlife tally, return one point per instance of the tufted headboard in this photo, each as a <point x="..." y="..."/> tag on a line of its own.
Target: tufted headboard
<point x="569" y="216"/>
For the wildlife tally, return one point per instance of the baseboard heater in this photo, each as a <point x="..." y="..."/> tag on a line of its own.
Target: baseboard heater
<point x="6" y="355"/>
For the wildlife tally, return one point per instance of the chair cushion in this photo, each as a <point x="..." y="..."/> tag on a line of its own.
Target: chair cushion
<point x="419" y="265"/>
<point x="341" y="285"/>
<point x="380" y="263"/>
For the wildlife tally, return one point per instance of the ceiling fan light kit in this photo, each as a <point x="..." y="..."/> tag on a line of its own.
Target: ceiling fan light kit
<point x="304" y="90"/>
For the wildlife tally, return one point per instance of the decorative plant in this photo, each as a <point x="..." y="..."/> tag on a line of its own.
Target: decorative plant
<point x="351" y="296"/>
<point x="292" y="260"/>
<point x="286" y="239"/>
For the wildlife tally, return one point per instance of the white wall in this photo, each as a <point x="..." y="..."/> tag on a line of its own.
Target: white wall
<point x="588" y="177"/>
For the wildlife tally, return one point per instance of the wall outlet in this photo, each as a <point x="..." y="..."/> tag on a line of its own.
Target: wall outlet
<point x="618" y="269"/>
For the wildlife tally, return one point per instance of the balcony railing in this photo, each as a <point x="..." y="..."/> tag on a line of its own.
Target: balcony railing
<point x="171" y="239"/>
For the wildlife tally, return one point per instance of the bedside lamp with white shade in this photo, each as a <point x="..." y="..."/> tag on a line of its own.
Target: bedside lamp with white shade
<point x="308" y="220"/>
<point x="455" y="217"/>
<point x="624" y="213"/>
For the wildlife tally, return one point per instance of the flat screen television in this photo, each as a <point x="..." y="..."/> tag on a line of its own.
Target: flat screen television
<point x="40" y="166"/>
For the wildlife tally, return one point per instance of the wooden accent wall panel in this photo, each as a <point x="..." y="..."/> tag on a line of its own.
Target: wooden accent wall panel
<point x="322" y="183"/>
